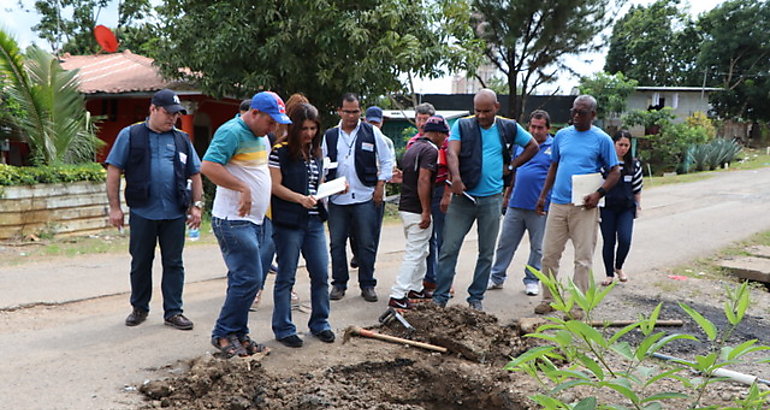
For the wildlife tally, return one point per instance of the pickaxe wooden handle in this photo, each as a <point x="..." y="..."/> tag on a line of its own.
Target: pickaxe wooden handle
<point x="393" y="339"/>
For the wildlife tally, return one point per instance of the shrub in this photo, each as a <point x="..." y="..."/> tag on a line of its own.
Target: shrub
<point x="11" y="175"/>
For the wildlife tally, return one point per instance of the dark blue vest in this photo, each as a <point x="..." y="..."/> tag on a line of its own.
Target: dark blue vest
<point x="294" y="176"/>
<point x="138" y="172"/>
<point x="621" y="196"/>
<point x="365" y="161"/>
<point x="471" y="150"/>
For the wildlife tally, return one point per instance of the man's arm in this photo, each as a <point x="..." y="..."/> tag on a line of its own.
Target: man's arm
<point x="113" y="195"/>
<point x="529" y="151"/>
<point x="424" y="184"/>
<point x="592" y="199"/>
<point x="386" y="162"/>
<point x="197" y="195"/>
<point x="540" y="207"/>
<point x="453" y="164"/>
<point x="219" y="175"/>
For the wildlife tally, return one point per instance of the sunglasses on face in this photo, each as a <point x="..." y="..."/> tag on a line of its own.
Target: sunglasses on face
<point x="582" y="113"/>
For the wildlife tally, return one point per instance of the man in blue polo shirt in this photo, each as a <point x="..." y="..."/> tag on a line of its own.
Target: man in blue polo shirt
<point x="520" y="215"/>
<point x="158" y="160"/>
<point x="577" y="150"/>
<point x="479" y="156"/>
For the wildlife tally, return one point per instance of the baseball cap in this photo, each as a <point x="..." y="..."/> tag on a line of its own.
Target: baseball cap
<point x="169" y="100"/>
<point x="269" y="102"/>
<point x="436" y="123"/>
<point x="374" y="113"/>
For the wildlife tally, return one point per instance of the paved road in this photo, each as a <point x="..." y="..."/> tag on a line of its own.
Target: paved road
<point x="68" y="348"/>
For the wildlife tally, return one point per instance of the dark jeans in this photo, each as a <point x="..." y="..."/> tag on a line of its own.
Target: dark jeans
<point x="239" y="243"/>
<point x="311" y="242"/>
<point x="145" y="233"/>
<point x="266" y="248"/>
<point x="617" y="225"/>
<point x="380" y="215"/>
<point x="360" y="220"/>
<point x="438" y="233"/>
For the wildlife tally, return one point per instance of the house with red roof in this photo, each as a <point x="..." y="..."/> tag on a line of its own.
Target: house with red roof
<point x="118" y="88"/>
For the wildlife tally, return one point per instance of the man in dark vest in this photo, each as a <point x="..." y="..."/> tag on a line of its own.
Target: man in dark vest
<point x="163" y="191"/>
<point x="357" y="151"/>
<point x="479" y="156"/>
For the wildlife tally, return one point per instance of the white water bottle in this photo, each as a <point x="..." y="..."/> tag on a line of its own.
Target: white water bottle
<point x="193" y="234"/>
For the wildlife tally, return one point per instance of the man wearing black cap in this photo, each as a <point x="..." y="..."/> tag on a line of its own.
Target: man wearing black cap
<point x="163" y="190"/>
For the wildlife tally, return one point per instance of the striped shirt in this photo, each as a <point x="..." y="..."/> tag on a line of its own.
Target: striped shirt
<point x="312" y="173"/>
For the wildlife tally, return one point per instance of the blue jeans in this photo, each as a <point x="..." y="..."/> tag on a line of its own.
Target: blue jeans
<point x="459" y="219"/>
<point x="145" y="233"/>
<point x="239" y="243"/>
<point x="515" y="222"/>
<point x="361" y="220"/>
<point x="617" y="225"/>
<point x="438" y="233"/>
<point x="266" y="248"/>
<point x="289" y="242"/>
<point x="354" y="244"/>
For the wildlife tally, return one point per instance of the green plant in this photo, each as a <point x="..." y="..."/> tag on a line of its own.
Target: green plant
<point x="589" y="354"/>
<point x="11" y="175"/>
<point x="712" y="155"/>
<point x="53" y="115"/>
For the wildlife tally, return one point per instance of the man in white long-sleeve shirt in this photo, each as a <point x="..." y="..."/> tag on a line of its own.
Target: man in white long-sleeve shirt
<point x="359" y="152"/>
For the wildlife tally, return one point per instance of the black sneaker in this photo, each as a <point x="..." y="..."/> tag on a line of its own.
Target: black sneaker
<point x="291" y="341"/>
<point x="179" y="322"/>
<point x="418" y="295"/>
<point x="369" y="294"/>
<point x="136" y="317"/>
<point x="402" y="303"/>
<point x="336" y="293"/>
<point x="326" y="336"/>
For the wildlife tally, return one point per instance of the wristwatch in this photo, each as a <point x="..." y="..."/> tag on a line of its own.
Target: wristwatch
<point x="198" y="204"/>
<point x="602" y="191"/>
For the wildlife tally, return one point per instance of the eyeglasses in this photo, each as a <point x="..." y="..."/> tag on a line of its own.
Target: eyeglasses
<point x="581" y="113"/>
<point x="175" y="114"/>
<point x="350" y="112"/>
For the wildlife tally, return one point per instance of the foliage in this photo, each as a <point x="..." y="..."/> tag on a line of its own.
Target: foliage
<point x="656" y="45"/>
<point x="75" y="35"/>
<point x="11" y="175"/>
<point x="736" y="52"/>
<point x="319" y="48"/>
<point x="54" y="119"/>
<point x="588" y="353"/>
<point x="610" y="90"/>
<point x="711" y="155"/>
<point x="700" y="119"/>
<point x="650" y="118"/>
<point x="528" y="40"/>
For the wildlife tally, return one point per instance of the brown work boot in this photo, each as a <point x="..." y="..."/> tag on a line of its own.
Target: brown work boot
<point x="544" y="307"/>
<point x="136" y="317"/>
<point x="179" y="322"/>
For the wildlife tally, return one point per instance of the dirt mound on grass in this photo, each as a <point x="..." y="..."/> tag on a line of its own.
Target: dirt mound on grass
<point x="412" y="379"/>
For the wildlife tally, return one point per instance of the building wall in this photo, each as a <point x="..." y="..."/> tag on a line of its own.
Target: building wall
<point x="684" y="104"/>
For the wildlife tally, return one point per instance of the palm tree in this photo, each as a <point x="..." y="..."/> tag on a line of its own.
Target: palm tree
<point x="53" y="115"/>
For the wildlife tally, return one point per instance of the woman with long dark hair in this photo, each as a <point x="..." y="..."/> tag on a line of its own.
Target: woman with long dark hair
<point x="621" y="206"/>
<point x="296" y="168"/>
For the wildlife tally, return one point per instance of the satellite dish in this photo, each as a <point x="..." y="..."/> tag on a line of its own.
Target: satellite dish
<point x="106" y="39"/>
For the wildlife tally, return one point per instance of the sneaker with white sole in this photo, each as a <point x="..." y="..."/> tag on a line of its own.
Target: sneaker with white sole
<point x="492" y="285"/>
<point x="532" y="289"/>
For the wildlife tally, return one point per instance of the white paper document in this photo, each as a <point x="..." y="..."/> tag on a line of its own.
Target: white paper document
<point x="332" y="187"/>
<point x="583" y="185"/>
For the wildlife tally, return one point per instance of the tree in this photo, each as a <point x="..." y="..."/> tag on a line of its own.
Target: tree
<point x="736" y="53"/>
<point x="75" y="35"/>
<point x="320" y="48"/>
<point x="655" y="45"/>
<point x="52" y="111"/>
<point x="610" y="90"/>
<point x="527" y="40"/>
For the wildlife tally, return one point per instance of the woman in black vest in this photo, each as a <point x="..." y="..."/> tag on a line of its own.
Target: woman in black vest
<point x="296" y="167"/>
<point x="621" y="205"/>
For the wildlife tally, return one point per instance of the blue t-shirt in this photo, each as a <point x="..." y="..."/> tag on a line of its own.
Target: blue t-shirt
<point x="530" y="178"/>
<point x="162" y="202"/>
<point x="491" y="179"/>
<point x="579" y="153"/>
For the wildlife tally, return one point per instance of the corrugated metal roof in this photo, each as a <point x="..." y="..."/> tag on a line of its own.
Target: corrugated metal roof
<point x="115" y="73"/>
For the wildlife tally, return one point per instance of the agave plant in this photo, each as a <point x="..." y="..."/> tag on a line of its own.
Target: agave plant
<point x="55" y="121"/>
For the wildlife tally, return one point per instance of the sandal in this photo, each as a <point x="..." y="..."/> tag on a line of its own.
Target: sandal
<point x="608" y="281"/>
<point x="234" y="347"/>
<point x="253" y="347"/>
<point x="621" y="275"/>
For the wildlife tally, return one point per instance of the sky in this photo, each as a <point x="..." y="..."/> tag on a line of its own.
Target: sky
<point x="19" y="23"/>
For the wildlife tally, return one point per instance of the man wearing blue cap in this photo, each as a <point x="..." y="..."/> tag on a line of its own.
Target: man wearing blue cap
<point x="358" y="151"/>
<point x="158" y="161"/>
<point x="236" y="161"/>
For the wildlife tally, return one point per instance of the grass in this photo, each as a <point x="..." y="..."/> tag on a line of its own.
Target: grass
<point x="750" y="159"/>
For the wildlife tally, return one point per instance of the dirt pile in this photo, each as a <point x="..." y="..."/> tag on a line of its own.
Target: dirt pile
<point x="471" y="377"/>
